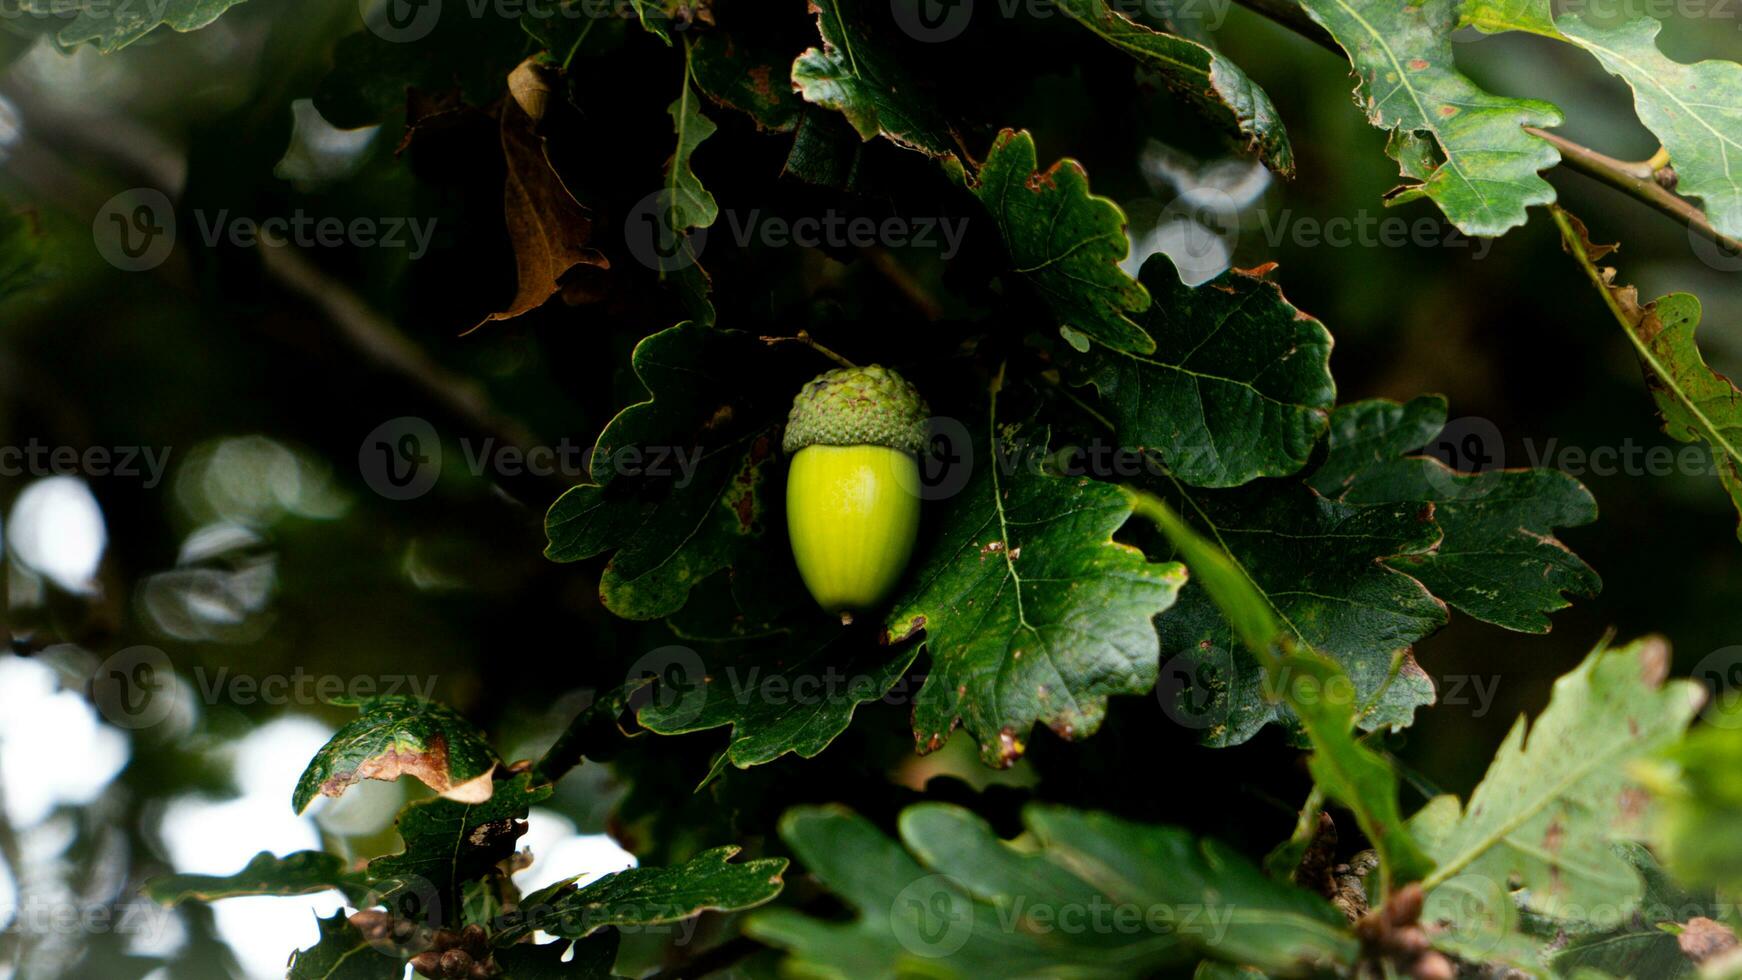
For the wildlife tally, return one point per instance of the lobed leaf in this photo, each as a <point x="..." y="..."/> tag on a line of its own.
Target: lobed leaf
<point x="109" y="25"/>
<point x="713" y="439"/>
<point x="1032" y="613"/>
<point x="1498" y="559"/>
<point x="796" y="695"/>
<point x="1314" y="688"/>
<point x="952" y="900"/>
<point x="1694" y="110"/>
<point x="1212" y="83"/>
<point x="1697" y="404"/>
<point x="448" y="843"/>
<point x="342" y="953"/>
<point x="1065" y="242"/>
<point x="1460" y="146"/>
<point x="1239" y="386"/>
<point x="710" y="881"/>
<point x="1557" y="797"/>
<point x="299" y="873"/>
<point x="855" y="74"/>
<point x="396" y="736"/>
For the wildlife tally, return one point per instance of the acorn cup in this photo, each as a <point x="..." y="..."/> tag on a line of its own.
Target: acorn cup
<point x="853" y="489"/>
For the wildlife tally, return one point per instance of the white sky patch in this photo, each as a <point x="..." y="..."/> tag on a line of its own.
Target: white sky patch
<point x="558" y="852"/>
<point x="8" y="896"/>
<point x="34" y="713"/>
<point x="218" y="837"/>
<point x="57" y="530"/>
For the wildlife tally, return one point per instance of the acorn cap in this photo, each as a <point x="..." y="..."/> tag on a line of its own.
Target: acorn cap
<point x="867" y="406"/>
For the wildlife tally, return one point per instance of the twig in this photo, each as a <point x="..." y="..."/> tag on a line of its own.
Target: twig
<point x="1638" y="180"/>
<point x="806" y="339"/>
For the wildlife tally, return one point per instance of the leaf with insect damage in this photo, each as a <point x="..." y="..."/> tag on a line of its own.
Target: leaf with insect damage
<point x="1557" y="798"/>
<point x="1697" y="404"/>
<point x="399" y="735"/>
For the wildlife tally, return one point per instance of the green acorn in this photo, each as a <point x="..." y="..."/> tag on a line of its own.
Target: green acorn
<point x="852" y="495"/>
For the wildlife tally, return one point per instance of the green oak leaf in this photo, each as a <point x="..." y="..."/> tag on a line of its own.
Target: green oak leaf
<point x="1697" y="404"/>
<point x="1499" y="560"/>
<point x="1313" y="687"/>
<point x="1459" y="145"/>
<point x="396" y="736"/>
<point x="110" y="25"/>
<point x="342" y="953"/>
<point x="1239" y="386"/>
<point x="702" y="450"/>
<point x="1377" y="544"/>
<point x="792" y="695"/>
<point x="1320" y="566"/>
<point x="266" y="874"/>
<point x="1557" y="798"/>
<point x="710" y="881"/>
<point x="952" y="900"/>
<point x="1694" y="110"/>
<point x="740" y="71"/>
<point x="1031" y="612"/>
<point x="448" y="843"/>
<point x="690" y="204"/>
<point x="593" y="960"/>
<point x="855" y="74"/>
<point x="1065" y="242"/>
<point x="1215" y="85"/>
<point x="1638" y="945"/>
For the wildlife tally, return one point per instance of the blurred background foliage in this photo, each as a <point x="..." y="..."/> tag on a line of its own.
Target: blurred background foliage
<point x="263" y="550"/>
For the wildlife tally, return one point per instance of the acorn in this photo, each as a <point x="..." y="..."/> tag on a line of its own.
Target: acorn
<point x="853" y="490"/>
